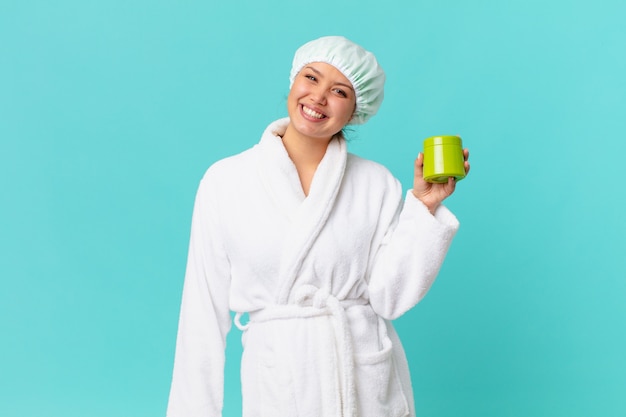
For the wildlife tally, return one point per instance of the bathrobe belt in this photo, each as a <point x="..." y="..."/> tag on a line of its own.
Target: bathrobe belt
<point x="314" y="302"/>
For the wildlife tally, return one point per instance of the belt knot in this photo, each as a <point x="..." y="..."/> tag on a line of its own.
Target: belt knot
<point x="319" y="297"/>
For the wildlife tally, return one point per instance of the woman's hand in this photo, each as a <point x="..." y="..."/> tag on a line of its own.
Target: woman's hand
<point x="433" y="194"/>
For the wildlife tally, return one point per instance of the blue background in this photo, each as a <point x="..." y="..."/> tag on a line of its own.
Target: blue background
<point x="110" y="111"/>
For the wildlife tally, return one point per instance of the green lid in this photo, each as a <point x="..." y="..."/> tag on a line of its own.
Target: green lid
<point x="443" y="140"/>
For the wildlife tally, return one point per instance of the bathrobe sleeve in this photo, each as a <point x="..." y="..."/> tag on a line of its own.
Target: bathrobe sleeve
<point x="198" y="378"/>
<point x="410" y="253"/>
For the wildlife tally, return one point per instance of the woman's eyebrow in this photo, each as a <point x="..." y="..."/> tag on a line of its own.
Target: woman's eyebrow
<point x="314" y="70"/>
<point x="345" y="85"/>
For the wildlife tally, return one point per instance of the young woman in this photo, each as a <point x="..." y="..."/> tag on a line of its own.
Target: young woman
<point x="319" y="247"/>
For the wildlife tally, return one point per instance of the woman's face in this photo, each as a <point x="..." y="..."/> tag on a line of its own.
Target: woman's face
<point x="321" y="101"/>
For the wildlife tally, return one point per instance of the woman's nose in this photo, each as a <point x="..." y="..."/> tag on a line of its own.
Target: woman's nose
<point x="318" y="95"/>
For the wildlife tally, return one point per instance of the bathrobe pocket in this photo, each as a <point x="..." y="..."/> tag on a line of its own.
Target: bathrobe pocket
<point x="276" y="396"/>
<point x="272" y="381"/>
<point x="379" y="391"/>
<point x="266" y="383"/>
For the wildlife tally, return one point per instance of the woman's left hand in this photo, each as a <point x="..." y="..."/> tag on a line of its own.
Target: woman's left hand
<point x="432" y="194"/>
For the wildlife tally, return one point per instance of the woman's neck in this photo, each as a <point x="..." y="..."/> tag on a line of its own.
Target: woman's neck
<point x="306" y="154"/>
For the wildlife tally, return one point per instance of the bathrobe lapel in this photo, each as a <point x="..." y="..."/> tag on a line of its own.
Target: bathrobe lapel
<point x="306" y="214"/>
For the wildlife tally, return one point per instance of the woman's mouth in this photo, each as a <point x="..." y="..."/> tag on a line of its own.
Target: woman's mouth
<point x="312" y="113"/>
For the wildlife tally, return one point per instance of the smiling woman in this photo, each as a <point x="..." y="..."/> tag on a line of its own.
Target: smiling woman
<point x="320" y="103"/>
<point x="322" y="251"/>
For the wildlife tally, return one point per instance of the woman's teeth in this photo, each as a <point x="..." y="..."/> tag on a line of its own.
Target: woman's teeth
<point x="312" y="113"/>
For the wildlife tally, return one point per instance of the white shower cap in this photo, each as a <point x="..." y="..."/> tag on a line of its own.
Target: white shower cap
<point x="355" y="63"/>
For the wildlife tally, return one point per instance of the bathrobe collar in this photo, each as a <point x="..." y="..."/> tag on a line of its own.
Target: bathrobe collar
<point x="308" y="214"/>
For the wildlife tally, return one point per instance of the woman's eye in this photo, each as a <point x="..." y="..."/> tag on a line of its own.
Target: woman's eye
<point x="341" y="92"/>
<point x="310" y="77"/>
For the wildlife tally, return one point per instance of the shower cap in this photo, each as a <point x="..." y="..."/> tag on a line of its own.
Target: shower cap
<point x="355" y="63"/>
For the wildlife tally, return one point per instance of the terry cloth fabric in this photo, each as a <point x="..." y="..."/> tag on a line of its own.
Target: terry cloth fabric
<point x="321" y="277"/>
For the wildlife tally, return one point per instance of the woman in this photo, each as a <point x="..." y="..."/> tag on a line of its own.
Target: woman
<point x="319" y="247"/>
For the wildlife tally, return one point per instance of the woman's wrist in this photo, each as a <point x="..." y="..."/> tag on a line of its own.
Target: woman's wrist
<point x="430" y="205"/>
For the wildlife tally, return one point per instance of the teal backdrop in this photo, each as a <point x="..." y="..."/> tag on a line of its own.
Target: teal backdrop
<point x="110" y="112"/>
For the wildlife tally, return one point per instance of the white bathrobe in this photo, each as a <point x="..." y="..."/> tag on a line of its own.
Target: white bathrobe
<point x="321" y="276"/>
